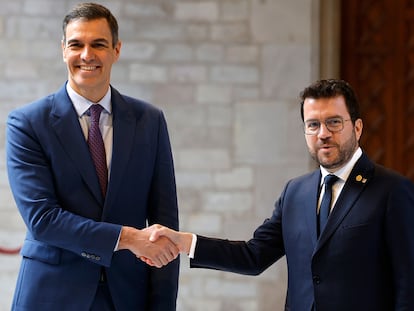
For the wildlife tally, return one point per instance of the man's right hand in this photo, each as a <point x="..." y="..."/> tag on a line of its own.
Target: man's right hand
<point x="159" y="252"/>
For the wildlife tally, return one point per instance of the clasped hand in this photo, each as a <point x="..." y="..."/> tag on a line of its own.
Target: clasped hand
<point x="151" y="247"/>
<point x="168" y="240"/>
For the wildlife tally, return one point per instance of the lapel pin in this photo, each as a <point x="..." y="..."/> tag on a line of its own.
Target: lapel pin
<point x="359" y="178"/>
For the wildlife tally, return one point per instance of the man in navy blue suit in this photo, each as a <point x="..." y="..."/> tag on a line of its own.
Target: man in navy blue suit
<point x="363" y="257"/>
<point x="84" y="232"/>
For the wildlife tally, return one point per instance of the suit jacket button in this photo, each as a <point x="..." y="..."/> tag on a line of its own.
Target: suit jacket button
<point x="316" y="279"/>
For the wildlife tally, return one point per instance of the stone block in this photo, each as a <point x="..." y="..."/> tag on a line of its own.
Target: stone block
<point x="261" y="132"/>
<point x="132" y="50"/>
<point x="34" y="28"/>
<point x="233" y="32"/>
<point x="43" y="8"/>
<point x="226" y="288"/>
<point x="242" y="54"/>
<point x="8" y="279"/>
<point x="158" y="30"/>
<point x="200" y="304"/>
<point x="237" y="178"/>
<point x="234" y="10"/>
<point x="176" y="53"/>
<point x="22" y="69"/>
<point x="286" y="70"/>
<point x="244" y="93"/>
<point x="150" y="10"/>
<point x="196" y="32"/>
<point x="203" y="159"/>
<point x="185" y="115"/>
<point x="8" y="8"/>
<point x="212" y="93"/>
<point x="148" y="73"/>
<point x="205" y="223"/>
<point x="235" y="202"/>
<point x="141" y="91"/>
<point x="193" y="180"/>
<point x="220" y="116"/>
<point x="242" y="74"/>
<point x="210" y="53"/>
<point x="173" y="95"/>
<point x="291" y="20"/>
<point x="188" y="73"/>
<point x="1" y="26"/>
<point x="206" y="11"/>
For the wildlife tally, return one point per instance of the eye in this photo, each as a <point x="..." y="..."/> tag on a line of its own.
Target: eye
<point x="99" y="45"/>
<point x="334" y="122"/>
<point x="74" y="45"/>
<point x="312" y="124"/>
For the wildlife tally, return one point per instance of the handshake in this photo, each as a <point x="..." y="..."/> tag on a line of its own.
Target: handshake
<point x="155" y="245"/>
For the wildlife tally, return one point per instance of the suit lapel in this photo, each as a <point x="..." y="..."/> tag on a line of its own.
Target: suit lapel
<point x="124" y="122"/>
<point x="65" y="122"/>
<point x="357" y="180"/>
<point x="310" y="193"/>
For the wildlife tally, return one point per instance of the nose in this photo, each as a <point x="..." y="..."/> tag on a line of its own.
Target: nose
<point x="323" y="131"/>
<point x="87" y="54"/>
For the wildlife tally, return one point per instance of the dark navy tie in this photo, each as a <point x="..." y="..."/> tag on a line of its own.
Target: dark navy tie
<point x="97" y="147"/>
<point x="326" y="201"/>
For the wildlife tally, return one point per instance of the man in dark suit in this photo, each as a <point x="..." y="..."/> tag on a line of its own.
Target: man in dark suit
<point x="83" y="215"/>
<point x="361" y="257"/>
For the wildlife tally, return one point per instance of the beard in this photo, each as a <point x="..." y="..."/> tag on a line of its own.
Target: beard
<point x="338" y="157"/>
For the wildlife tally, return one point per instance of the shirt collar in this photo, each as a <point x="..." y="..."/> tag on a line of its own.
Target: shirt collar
<point x="82" y="104"/>
<point x="343" y="172"/>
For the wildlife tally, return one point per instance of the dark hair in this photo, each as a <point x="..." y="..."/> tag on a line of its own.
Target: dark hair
<point x="91" y="11"/>
<point x="331" y="88"/>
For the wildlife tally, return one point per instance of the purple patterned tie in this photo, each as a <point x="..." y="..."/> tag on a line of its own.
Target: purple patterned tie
<point x="97" y="147"/>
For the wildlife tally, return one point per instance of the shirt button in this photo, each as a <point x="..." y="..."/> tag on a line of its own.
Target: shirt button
<point x="316" y="279"/>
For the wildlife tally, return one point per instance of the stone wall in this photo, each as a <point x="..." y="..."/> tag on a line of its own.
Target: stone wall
<point x="227" y="73"/>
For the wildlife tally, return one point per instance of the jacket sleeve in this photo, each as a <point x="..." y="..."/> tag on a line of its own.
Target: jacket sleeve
<point x="251" y="257"/>
<point x="400" y="242"/>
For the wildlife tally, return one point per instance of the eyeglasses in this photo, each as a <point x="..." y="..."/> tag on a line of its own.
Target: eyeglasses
<point x="336" y="124"/>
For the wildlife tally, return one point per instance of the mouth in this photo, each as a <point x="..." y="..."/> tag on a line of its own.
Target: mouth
<point x="88" y="68"/>
<point x="326" y="147"/>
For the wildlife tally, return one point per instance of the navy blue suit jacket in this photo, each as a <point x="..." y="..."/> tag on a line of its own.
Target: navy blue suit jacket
<point x="71" y="230"/>
<point x="363" y="260"/>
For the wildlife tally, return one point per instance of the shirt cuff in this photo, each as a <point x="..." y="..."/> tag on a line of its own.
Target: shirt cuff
<point x="193" y="246"/>
<point x="117" y="242"/>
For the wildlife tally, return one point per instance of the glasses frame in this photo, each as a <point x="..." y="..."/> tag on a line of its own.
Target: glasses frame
<point x="326" y="122"/>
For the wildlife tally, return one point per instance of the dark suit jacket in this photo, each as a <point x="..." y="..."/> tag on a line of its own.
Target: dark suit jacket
<point x="363" y="260"/>
<point x="71" y="230"/>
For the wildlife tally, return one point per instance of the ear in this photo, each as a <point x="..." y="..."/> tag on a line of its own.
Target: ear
<point x="117" y="50"/>
<point x="358" y="128"/>
<point x="62" y="43"/>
